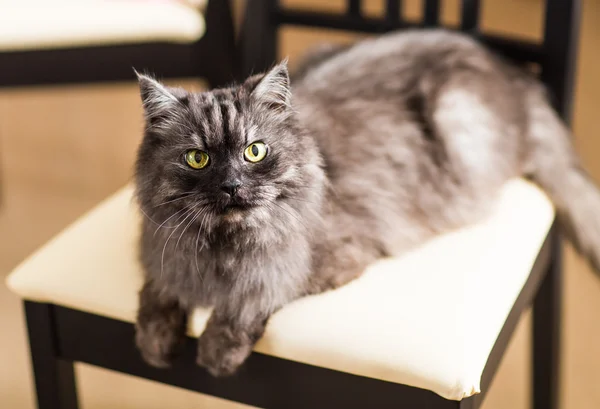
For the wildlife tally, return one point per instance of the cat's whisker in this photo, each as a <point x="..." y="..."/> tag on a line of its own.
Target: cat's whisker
<point x="291" y="213"/>
<point x="169" y="218"/>
<point x="197" y="252"/>
<point x="275" y="197"/>
<point x="148" y="217"/>
<point x="297" y="199"/>
<point x="162" y="257"/>
<point x="186" y="227"/>
<point x="176" y="199"/>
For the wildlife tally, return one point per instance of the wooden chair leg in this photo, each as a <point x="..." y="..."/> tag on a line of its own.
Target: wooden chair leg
<point x="546" y="333"/>
<point x="54" y="378"/>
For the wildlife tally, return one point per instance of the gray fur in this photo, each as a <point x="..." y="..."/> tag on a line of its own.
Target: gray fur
<point x="374" y="149"/>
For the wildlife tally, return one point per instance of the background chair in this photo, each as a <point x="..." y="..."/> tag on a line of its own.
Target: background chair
<point x="90" y="41"/>
<point x="83" y="326"/>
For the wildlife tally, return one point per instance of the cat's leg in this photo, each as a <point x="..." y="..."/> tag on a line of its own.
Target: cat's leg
<point x="160" y="327"/>
<point x="229" y="338"/>
<point x="341" y="260"/>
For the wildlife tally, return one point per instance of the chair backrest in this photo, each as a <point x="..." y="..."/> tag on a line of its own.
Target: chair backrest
<point x="555" y="55"/>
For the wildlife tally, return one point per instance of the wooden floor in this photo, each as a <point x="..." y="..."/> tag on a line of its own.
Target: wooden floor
<point x="64" y="149"/>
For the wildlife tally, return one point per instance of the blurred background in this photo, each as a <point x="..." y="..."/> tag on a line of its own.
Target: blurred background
<point x="65" y="148"/>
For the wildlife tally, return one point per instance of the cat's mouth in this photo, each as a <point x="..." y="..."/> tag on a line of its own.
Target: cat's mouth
<point x="236" y="207"/>
<point x="234" y="212"/>
<point x="236" y="204"/>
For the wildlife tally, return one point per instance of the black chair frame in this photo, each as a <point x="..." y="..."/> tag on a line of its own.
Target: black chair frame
<point x="60" y="336"/>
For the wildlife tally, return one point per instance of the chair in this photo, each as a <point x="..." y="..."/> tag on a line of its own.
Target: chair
<point x="432" y="326"/>
<point x="90" y="41"/>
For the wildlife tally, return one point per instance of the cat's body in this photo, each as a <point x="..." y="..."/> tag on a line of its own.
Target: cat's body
<point x="402" y="167"/>
<point x="377" y="148"/>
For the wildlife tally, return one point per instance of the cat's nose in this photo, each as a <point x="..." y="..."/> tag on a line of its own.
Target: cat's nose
<point x="231" y="186"/>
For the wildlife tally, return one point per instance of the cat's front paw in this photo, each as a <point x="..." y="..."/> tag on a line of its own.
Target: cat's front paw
<point x="221" y="351"/>
<point x="159" y="341"/>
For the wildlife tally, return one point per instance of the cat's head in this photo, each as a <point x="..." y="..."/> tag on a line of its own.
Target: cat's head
<point x="234" y="155"/>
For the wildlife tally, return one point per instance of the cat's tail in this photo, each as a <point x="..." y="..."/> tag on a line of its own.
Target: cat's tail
<point x="555" y="167"/>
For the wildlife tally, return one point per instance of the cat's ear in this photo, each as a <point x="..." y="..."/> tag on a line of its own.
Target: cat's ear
<point x="158" y="100"/>
<point x="273" y="89"/>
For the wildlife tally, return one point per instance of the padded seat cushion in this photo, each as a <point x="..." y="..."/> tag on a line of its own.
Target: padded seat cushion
<point x="427" y="319"/>
<point x="41" y="24"/>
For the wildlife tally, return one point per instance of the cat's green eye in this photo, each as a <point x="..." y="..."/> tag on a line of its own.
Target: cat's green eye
<point x="255" y="152"/>
<point x="196" y="159"/>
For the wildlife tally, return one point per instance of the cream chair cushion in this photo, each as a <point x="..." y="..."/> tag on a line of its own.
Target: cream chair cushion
<point x="44" y="24"/>
<point x="427" y="319"/>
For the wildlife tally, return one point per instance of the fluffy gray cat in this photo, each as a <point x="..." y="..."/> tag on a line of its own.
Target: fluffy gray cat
<point x="264" y="192"/>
